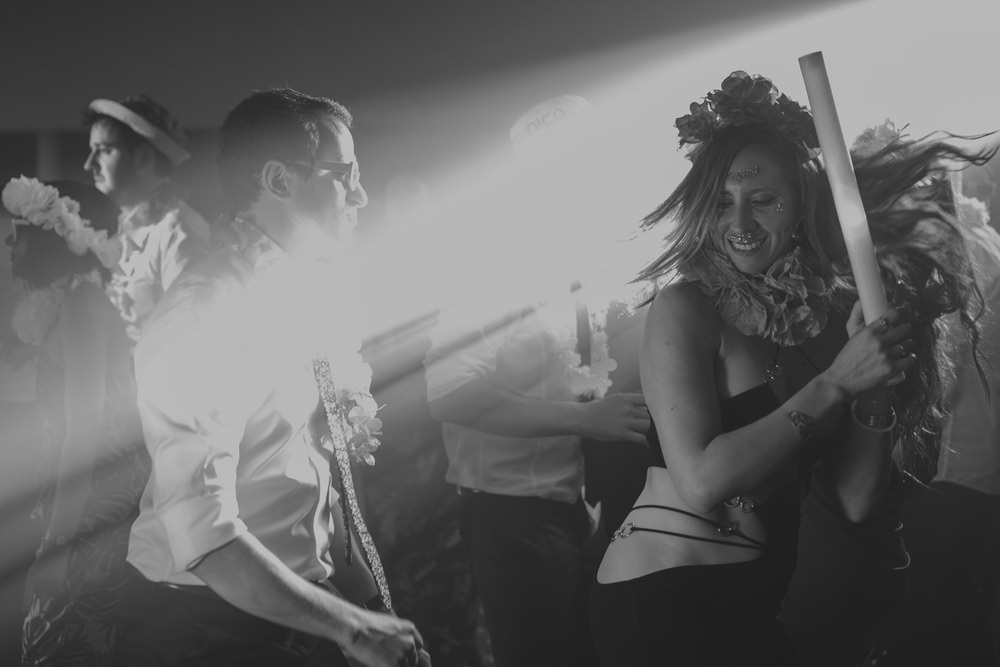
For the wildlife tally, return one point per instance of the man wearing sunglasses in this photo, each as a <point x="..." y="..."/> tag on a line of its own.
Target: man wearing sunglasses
<point x="242" y="551"/>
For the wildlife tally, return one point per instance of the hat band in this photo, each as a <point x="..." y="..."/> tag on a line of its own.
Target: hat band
<point x="160" y="139"/>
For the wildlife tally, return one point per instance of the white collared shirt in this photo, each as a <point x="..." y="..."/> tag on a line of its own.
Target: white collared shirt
<point x="154" y="253"/>
<point x="522" y="355"/>
<point x="228" y="402"/>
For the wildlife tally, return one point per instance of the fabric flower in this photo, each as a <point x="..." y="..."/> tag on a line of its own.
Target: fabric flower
<point x="874" y="139"/>
<point x="970" y="211"/>
<point x="32" y="202"/>
<point x="743" y="99"/>
<point x="787" y="304"/>
<point x="26" y="198"/>
<point x="587" y="380"/>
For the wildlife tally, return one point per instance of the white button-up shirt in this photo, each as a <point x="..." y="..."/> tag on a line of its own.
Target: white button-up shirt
<point x="229" y="405"/>
<point x="158" y="242"/>
<point x="526" y="355"/>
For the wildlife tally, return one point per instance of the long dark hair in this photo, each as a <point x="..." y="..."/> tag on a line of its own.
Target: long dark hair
<point x="908" y="197"/>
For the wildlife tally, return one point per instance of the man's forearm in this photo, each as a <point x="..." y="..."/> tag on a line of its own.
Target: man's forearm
<point x="251" y="578"/>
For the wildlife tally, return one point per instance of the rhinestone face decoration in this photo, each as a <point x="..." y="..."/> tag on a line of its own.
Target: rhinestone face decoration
<point x="740" y="174"/>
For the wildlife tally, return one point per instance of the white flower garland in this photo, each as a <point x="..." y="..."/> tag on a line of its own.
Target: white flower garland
<point x="31" y="202"/>
<point x="970" y="211"/>
<point x="350" y="376"/>
<point x="589" y="380"/>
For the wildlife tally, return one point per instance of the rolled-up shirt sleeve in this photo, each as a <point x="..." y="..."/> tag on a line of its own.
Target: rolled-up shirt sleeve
<point x="194" y="399"/>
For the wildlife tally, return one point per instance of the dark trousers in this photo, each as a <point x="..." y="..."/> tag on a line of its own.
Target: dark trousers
<point x="691" y="616"/>
<point x="191" y="626"/>
<point x="528" y="563"/>
<point x="949" y="616"/>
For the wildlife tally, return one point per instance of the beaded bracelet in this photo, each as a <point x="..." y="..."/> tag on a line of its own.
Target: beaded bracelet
<point x="875" y="423"/>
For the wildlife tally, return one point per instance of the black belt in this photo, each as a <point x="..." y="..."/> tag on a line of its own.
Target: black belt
<point x="469" y="491"/>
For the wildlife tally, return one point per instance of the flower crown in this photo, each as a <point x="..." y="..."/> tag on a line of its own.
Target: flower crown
<point x="32" y="202"/>
<point x="748" y="100"/>
<point x="877" y="138"/>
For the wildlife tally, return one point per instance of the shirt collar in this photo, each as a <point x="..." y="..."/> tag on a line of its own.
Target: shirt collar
<point x="256" y="246"/>
<point x="135" y="224"/>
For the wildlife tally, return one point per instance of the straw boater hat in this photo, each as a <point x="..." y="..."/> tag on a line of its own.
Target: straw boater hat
<point x="169" y="143"/>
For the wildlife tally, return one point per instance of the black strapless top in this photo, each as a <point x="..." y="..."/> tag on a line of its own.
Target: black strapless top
<point x="779" y="513"/>
<point x="736" y="412"/>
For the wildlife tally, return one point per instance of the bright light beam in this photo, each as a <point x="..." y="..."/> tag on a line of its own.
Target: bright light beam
<point x="500" y="227"/>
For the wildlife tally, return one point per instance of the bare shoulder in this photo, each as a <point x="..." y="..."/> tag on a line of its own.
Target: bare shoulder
<point x="681" y="309"/>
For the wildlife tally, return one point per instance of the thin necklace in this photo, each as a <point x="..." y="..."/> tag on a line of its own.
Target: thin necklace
<point x="806" y="357"/>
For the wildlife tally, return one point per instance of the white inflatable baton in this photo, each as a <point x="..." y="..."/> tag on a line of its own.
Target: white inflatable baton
<point x="844" y="185"/>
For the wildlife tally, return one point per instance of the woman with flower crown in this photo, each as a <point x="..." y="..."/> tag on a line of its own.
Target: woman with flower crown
<point x="94" y="468"/>
<point x="766" y="534"/>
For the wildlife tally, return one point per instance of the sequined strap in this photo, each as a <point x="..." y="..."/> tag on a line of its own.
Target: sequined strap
<point x="723" y="528"/>
<point x="352" y="510"/>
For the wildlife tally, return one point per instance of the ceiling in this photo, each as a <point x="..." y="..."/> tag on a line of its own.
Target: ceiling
<point x="202" y="56"/>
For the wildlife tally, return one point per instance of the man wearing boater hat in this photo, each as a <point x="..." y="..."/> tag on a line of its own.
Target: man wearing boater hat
<point x="134" y="146"/>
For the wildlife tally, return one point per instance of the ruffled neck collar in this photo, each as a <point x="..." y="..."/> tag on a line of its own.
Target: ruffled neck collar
<point x="787" y="304"/>
<point x="135" y="220"/>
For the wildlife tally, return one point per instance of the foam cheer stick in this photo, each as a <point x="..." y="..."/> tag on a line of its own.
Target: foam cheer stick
<point x="844" y="185"/>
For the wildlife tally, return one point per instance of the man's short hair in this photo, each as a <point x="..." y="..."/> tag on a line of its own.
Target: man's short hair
<point x="153" y="112"/>
<point x="276" y="124"/>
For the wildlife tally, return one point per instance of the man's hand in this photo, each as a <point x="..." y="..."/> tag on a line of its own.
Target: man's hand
<point x="616" y="418"/>
<point x="383" y="640"/>
<point x="250" y="577"/>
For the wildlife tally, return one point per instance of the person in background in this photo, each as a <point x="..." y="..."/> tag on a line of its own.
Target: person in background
<point x="135" y="144"/>
<point x="517" y="385"/>
<point x="94" y="464"/>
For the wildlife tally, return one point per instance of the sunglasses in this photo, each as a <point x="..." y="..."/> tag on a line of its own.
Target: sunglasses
<point x="346" y="170"/>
